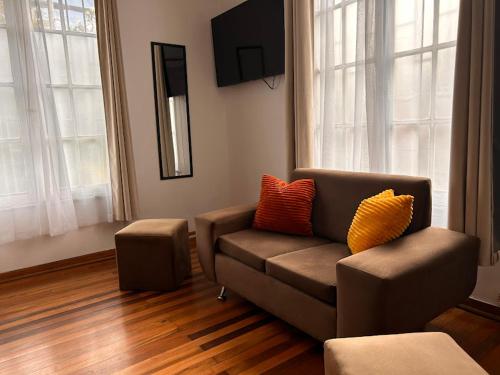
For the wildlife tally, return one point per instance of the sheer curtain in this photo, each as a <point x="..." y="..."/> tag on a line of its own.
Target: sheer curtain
<point x="384" y="88"/>
<point x="53" y="162"/>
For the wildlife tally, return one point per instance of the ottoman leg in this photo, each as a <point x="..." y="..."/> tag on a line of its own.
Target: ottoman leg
<point x="222" y="294"/>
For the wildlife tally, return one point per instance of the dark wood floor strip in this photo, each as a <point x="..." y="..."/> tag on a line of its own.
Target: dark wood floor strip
<point x="236" y="333"/>
<point x="307" y="362"/>
<point x="223" y="324"/>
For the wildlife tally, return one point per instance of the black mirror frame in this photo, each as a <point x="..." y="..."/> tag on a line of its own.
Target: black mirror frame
<point x="162" y="177"/>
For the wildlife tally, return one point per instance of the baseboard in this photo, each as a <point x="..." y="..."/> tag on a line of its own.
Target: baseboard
<point x="68" y="263"/>
<point x="482" y="308"/>
<point x="57" y="265"/>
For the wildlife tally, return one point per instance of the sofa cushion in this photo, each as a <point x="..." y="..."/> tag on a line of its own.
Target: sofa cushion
<point x="252" y="247"/>
<point x="312" y="270"/>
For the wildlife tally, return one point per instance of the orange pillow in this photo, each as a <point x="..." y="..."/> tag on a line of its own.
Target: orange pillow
<point x="379" y="219"/>
<point x="285" y="207"/>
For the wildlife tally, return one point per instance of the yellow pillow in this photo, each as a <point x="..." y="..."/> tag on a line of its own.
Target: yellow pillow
<point x="379" y="219"/>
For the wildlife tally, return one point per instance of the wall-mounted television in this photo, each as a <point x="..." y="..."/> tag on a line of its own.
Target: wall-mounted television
<point x="249" y="42"/>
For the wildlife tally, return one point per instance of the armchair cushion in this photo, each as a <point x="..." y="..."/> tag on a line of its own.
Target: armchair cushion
<point x="252" y="247"/>
<point x="310" y="270"/>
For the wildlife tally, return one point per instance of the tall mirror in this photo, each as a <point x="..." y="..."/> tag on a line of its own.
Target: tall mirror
<point x="172" y="110"/>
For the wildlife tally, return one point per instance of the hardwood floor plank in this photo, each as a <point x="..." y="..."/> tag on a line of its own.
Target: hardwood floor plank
<point x="216" y="327"/>
<point x="77" y="321"/>
<point x="281" y="357"/>
<point x="234" y="357"/>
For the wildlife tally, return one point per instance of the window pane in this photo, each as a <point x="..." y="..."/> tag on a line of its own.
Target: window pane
<point x="448" y="20"/>
<point x="9" y="118"/>
<point x="64" y="112"/>
<point x="441" y="162"/>
<point x="90" y="21"/>
<point x="76" y="3"/>
<point x="88" y="3"/>
<point x="350" y="32"/>
<point x="444" y="82"/>
<point x="412" y="87"/>
<point x="57" y="60"/>
<point x="70" y="147"/>
<point x="2" y="12"/>
<point x="76" y="21"/>
<point x="50" y="15"/>
<point x="364" y="159"/>
<point x="440" y="182"/>
<point x="89" y="110"/>
<point x="319" y="43"/>
<point x="338" y="98"/>
<point x="410" y="149"/>
<point x="413" y="24"/>
<point x="93" y="167"/>
<point x="337" y="36"/>
<point x="407" y="24"/>
<point x="350" y="91"/>
<point x="13" y="168"/>
<point x="83" y="60"/>
<point x="339" y="150"/>
<point x="428" y="22"/>
<point x="5" y="70"/>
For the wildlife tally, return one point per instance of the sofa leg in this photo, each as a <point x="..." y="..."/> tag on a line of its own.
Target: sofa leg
<point x="222" y="294"/>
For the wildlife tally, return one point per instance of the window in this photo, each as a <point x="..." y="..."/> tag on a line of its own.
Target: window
<point x="384" y="88"/>
<point x="12" y="153"/>
<point x="70" y="30"/>
<point x="70" y="27"/>
<point x="54" y="173"/>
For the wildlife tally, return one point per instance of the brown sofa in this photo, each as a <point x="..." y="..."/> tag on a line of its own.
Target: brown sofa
<point x="315" y="284"/>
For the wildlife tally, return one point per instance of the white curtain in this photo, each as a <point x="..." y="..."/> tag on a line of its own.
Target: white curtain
<point x="384" y="88"/>
<point x="53" y="165"/>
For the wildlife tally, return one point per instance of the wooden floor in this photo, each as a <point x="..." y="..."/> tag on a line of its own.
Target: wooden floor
<point x="77" y="321"/>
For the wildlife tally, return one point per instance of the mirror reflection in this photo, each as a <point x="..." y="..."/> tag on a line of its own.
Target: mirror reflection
<point x="172" y="110"/>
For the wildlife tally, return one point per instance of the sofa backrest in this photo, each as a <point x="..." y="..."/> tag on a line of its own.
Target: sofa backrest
<point x="338" y="195"/>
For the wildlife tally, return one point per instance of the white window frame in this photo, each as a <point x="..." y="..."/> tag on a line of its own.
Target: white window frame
<point x="434" y="49"/>
<point x="64" y="7"/>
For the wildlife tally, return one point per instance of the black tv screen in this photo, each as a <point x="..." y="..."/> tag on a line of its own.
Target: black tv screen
<point x="249" y="42"/>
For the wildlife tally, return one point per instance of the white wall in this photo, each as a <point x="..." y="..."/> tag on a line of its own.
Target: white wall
<point x="258" y="132"/>
<point x="45" y="249"/>
<point x="186" y="23"/>
<point x="488" y="285"/>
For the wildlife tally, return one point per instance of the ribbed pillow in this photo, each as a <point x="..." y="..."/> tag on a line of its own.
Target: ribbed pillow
<point x="285" y="207"/>
<point x="379" y="219"/>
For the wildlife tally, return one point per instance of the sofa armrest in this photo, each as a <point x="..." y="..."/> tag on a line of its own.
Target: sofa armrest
<point x="211" y="225"/>
<point x="402" y="285"/>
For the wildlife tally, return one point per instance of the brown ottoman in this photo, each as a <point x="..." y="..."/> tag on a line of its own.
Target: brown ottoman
<point x="424" y="353"/>
<point x="153" y="254"/>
